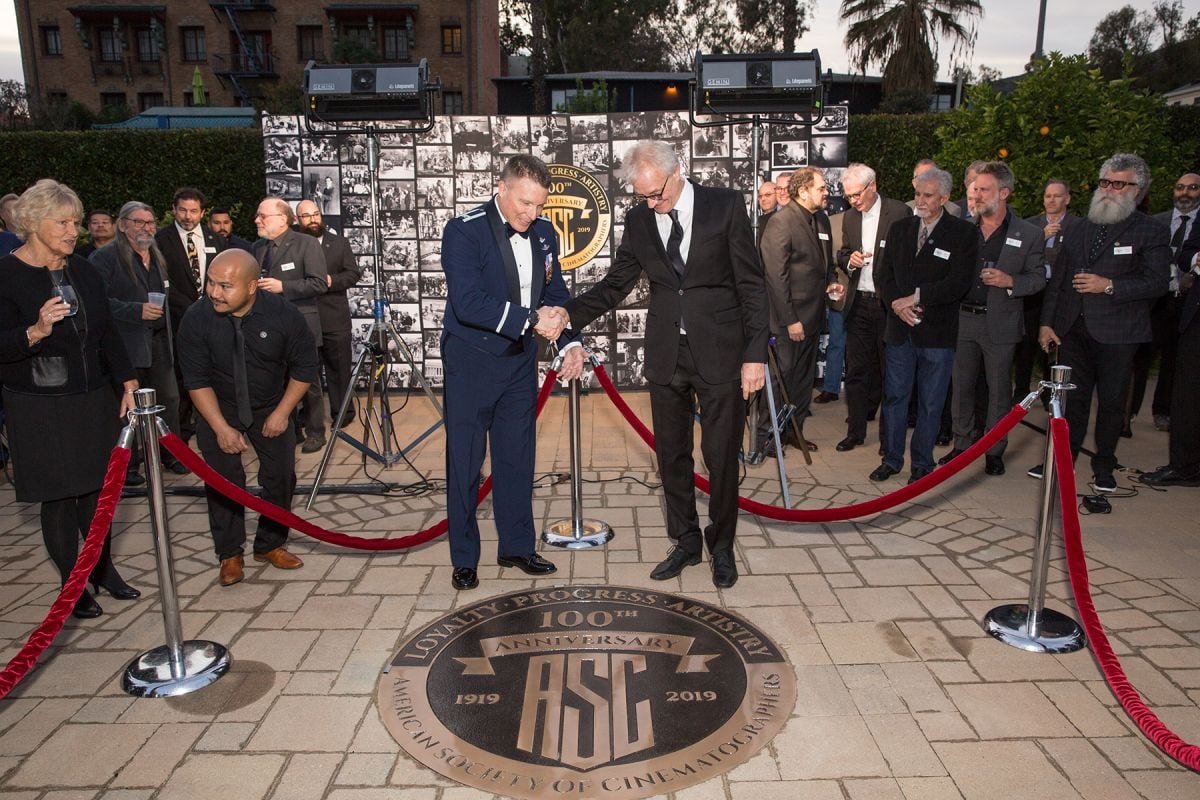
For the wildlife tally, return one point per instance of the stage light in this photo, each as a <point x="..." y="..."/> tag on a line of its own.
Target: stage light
<point x="768" y="83"/>
<point x="367" y="92"/>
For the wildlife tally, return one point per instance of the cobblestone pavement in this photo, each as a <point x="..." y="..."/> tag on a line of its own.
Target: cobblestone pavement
<point x="900" y="693"/>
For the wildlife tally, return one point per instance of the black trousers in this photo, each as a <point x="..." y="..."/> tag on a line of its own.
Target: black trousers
<point x="1104" y="369"/>
<point x="864" y="363"/>
<point x="722" y="415"/>
<point x="336" y="356"/>
<point x="159" y="376"/>
<point x="798" y="362"/>
<point x="64" y="522"/>
<point x="1185" y="401"/>
<point x="276" y="475"/>
<point x="1029" y="353"/>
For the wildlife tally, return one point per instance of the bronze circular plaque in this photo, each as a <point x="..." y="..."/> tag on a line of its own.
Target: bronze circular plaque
<point x="578" y="209"/>
<point x="587" y="691"/>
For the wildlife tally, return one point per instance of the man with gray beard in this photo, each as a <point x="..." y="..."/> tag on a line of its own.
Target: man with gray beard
<point x="1111" y="269"/>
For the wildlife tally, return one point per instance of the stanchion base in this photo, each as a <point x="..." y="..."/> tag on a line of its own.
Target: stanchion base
<point x="1057" y="632"/>
<point x="149" y="675"/>
<point x="592" y="533"/>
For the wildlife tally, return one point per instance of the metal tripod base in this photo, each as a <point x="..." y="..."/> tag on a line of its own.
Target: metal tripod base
<point x="1057" y="633"/>
<point x="592" y="533"/>
<point x="149" y="675"/>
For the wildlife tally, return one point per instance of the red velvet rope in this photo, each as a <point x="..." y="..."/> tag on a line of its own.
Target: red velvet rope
<point x="1162" y="736"/>
<point x="178" y="448"/>
<point x="40" y="639"/>
<point x="875" y="506"/>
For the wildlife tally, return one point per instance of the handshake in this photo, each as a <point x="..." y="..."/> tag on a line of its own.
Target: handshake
<point x="551" y="322"/>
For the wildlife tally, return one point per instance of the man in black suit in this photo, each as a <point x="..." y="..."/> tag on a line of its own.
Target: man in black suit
<point x="334" y="308"/>
<point x="1112" y="268"/>
<point x="926" y="270"/>
<point x="1055" y="220"/>
<point x="220" y="222"/>
<point x="187" y="246"/>
<point x="1011" y="265"/>
<point x="706" y="339"/>
<point x="1183" y="469"/>
<point x="292" y="264"/>
<point x="864" y="238"/>
<point x="795" y="251"/>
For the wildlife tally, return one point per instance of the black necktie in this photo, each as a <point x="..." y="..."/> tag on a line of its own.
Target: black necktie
<point x="1098" y="242"/>
<point x="194" y="260"/>
<point x="268" y="260"/>
<point x="241" y="386"/>
<point x="1177" y="238"/>
<point x="511" y="231"/>
<point x="674" y="241"/>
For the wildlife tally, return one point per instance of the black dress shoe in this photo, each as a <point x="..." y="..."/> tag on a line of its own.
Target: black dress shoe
<point x="953" y="454"/>
<point x="944" y="439"/>
<point x="176" y="466"/>
<point x="134" y="478"/>
<point x="674" y="563"/>
<point x="86" y="607"/>
<point x="464" y="578"/>
<point x="917" y="474"/>
<point x="826" y="397"/>
<point x="882" y="473"/>
<point x="531" y="564"/>
<point x="848" y="444"/>
<point x="993" y="465"/>
<point x="117" y="587"/>
<point x="724" y="569"/>
<point x="1168" y="476"/>
<point x="312" y="444"/>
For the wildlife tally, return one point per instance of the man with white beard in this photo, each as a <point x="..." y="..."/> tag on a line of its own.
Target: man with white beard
<point x="1111" y="269"/>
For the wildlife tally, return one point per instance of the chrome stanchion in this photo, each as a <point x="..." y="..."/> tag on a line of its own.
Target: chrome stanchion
<point x="179" y="666"/>
<point x="1032" y="626"/>
<point x="576" y="533"/>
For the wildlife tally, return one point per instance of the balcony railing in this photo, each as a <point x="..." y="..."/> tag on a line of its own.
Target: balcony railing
<point x="248" y="65"/>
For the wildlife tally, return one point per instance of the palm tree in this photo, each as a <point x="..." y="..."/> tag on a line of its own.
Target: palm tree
<point x="902" y="35"/>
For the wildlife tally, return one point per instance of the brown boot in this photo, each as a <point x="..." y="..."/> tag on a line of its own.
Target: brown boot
<point x="231" y="570"/>
<point x="280" y="559"/>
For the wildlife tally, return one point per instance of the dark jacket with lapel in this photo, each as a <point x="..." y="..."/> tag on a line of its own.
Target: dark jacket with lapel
<point x="183" y="292"/>
<point x="890" y="212"/>
<point x="344" y="272"/>
<point x="1135" y="256"/>
<point x="126" y="293"/>
<point x="1069" y="221"/>
<point x="795" y="267"/>
<point x="299" y="263"/>
<point x="720" y="298"/>
<point x="1022" y="255"/>
<point x="942" y="270"/>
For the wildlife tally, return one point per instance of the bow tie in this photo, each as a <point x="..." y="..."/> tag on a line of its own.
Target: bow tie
<point x="510" y="231"/>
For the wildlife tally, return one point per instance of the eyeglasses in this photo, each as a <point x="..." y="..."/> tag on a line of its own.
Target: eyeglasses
<point x="140" y="223"/>
<point x="1187" y="187"/>
<point x="652" y="198"/>
<point x="1105" y="183"/>
<point x="314" y="215"/>
<point x="264" y="216"/>
<point x="851" y="197"/>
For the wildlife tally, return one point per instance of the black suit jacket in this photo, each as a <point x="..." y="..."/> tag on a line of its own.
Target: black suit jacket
<point x="890" y="212"/>
<point x="943" y="271"/>
<point x="183" y="292"/>
<point x="127" y="288"/>
<point x="1022" y="256"/>
<point x="1069" y="221"/>
<point x="720" y="298"/>
<point x="1191" y="246"/>
<point x="1136" y="256"/>
<point x="795" y="267"/>
<point x="344" y="272"/>
<point x="299" y="263"/>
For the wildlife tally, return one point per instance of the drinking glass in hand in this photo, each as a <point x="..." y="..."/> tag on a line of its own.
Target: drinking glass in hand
<point x="67" y="293"/>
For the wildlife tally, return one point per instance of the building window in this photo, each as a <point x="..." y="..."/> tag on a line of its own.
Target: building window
<point x="195" y="48"/>
<point x="359" y="34"/>
<point x="452" y="102"/>
<point x="149" y="100"/>
<point x="452" y="39"/>
<point x="395" y="44"/>
<point x="112" y="100"/>
<point x="51" y="41"/>
<point x="310" y="43"/>
<point x="147" y="45"/>
<point x="110" y="45"/>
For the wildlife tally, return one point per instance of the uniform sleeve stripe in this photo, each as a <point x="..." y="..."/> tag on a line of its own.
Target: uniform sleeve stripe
<point x="503" y="316"/>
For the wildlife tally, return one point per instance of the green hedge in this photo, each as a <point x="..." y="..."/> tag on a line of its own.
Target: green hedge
<point x="891" y="144"/>
<point x="108" y="168"/>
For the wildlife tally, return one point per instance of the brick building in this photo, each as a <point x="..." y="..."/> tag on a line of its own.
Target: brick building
<point x="140" y="55"/>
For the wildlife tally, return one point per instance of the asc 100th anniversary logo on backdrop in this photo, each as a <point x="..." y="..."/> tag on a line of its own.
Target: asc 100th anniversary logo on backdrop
<point x="579" y="210"/>
<point x="586" y="692"/>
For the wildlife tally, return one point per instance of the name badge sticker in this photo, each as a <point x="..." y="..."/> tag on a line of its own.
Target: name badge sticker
<point x="210" y="249"/>
<point x="824" y="237"/>
<point x="1011" y="242"/>
<point x="944" y="255"/>
<point x="1126" y="250"/>
<point x="883" y="242"/>
<point x="287" y="265"/>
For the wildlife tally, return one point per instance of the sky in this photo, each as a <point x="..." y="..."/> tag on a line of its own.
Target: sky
<point x="1007" y="33"/>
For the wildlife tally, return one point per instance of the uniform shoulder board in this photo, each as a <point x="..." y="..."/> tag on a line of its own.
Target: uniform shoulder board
<point x="474" y="213"/>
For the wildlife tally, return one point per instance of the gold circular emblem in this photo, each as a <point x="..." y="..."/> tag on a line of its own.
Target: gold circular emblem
<point x="589" y="691"/>
<point x="579" y="210"/>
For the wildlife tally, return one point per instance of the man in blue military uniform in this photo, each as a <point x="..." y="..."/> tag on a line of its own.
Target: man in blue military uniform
<point x="504" y="283"/>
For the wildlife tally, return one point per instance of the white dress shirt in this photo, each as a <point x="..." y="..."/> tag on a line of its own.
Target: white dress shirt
<point x="870" y="229"/>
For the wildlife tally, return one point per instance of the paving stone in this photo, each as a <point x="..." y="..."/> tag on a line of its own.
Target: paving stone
<point x="306" y="776"/>
<point x="1087" y="770"/>
<point x="310" y="724"/>
<point x="246" y="777"/>
<point x="872" y="604"/>
<point x="1003" y="770"/>
<point x="865" y="643"/>
<point x="57" y="761"/>
<point x="929" y="789"/>
<point x="1009" y="711"/>
<point x="829" y="748"/>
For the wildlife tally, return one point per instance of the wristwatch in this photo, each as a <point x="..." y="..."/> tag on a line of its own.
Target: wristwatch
<point x="1108" y="290"/>
<point x="533" y="318"/>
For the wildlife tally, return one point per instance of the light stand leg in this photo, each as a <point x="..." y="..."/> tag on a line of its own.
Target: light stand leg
<point x="783" y="479"/>
<point x="1032" y="626"/>
<point x="179" y="666"/>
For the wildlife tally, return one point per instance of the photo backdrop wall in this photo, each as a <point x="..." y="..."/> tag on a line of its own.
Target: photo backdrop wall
<point x="426" y="179"/>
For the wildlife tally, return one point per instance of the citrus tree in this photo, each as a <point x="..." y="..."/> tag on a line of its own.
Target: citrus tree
<point x="1062" y="121"/>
